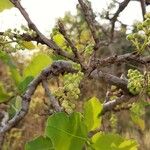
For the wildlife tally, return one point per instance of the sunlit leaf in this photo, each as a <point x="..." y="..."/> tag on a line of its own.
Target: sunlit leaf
<point x="15" y="75"/>
<point x="66" y="132"/>
<point x="85" y="36"/>
<point x="5" y="4"/>
<point x="38" y="63"/>
<point x="28" y="45"/>
<point x="40" y="143"/>
<point x="92" y="109"/>
<point x="59" y="39"/>
<point x="112" y="141"/>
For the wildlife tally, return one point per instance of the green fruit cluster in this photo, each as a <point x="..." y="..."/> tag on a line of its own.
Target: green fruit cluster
<point x="141" y="38"/>
<point x="135" y="81"/>
<point x="15" y="36"/>
<point x="70" y="91"/>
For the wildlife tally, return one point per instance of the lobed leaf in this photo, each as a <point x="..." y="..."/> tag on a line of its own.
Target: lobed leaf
<point x="92" y="109"/>
<point x="66" y="132"/>
<point x="37" y="64"/>
<point x="40" y="143"/>
<point x="112" y="141"/>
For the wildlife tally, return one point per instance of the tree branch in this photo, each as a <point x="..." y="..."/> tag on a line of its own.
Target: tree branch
<point x="71" y="44"/>
<point x="52" y="99"/>
<point x="25" y="37"/>
<point x="90" y="19"/>
<point x="110" y="79"/>
<point x="58" y="67"/>
<point x="113" y="20"/>
<point x="109" y="106"/>
<point x="48" y="42"/>
<point x="128" y="57"/>
<point x="143" y="7"/>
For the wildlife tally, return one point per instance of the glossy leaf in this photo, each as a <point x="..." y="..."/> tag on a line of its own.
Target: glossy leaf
<point x="111" y="141"/>
<point x="38" y="63"/>
<point x="40" y="143"/>
<point x="92" y="109"/>
<point x="5" y="4"/>
<point x="66" y="132"/>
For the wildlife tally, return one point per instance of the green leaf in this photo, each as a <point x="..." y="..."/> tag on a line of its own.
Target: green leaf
<point x="138" y="121"/>
<point x="137" y="111"/>
<point x="5" y="4"/>
<point x="111" y="141"/>
<point x="59" y="39"/>
<point x="6" y="59"/>
<point x="92" y="109"/>
<point x="18" y="103"/>
<point x="13" y="70"/>
<point x="66" y="132"/>
<point x="13" y="108"/>
<point x="28" y="45"/>
<point x="37" y="64"/>
<point x="138" y="108"/>
<point x="15" y="75"/>
<point x="3" y="94"/>
<point x="40" y="143"/>
<point x="24" y="84"/>
<point x="15" y="105"/>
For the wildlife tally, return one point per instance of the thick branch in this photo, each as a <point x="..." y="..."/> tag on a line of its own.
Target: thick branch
<point x="109" y="106"/>
<point x="129" y="57"/>
<point x="59" y="67"/>
<point x="110" y="79"/>
<point x="48" y="42"/>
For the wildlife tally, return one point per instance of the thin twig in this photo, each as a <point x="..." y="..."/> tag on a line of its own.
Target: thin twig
<point x="52" y="99"/>
<point x="90" y="19"/>
<point x="143" y="7"/>
<point x="71" y="44"/>
<point x="109" y="106"/>
<point x="113" y="20"/>
<point x="49" y="42"/>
